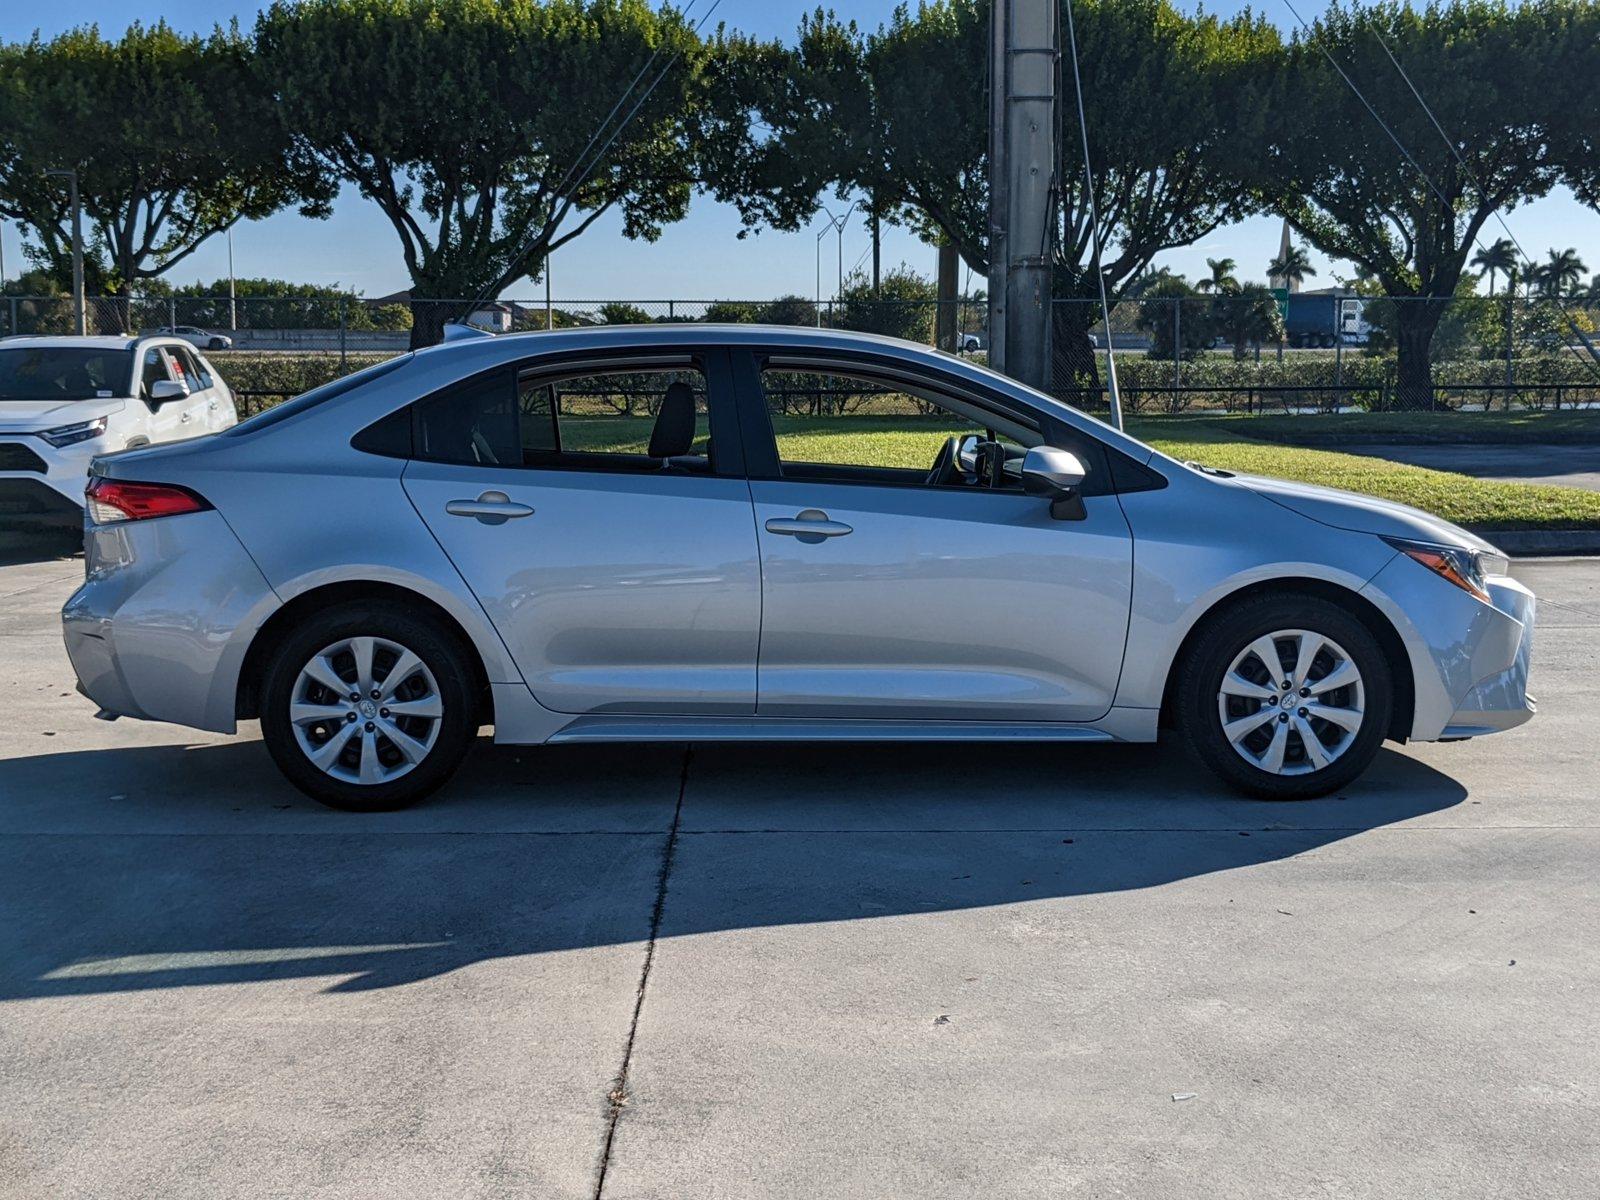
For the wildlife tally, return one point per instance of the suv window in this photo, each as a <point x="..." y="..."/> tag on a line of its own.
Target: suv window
<point x="188" y="365"/>
<point x="646" y="418"/>
<point x="833" y="425"/>
<point x="153" y="370"/>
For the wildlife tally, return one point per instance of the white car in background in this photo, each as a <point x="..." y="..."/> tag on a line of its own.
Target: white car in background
<point x="200" y="339"/>
<point x="64" y="400"/>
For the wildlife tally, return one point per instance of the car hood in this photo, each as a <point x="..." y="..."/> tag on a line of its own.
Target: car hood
<point x="31" y="415"/>
<point x="1363" y="514"/>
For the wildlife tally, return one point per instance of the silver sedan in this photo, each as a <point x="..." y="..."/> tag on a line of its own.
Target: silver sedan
<point x="744" y="533"/>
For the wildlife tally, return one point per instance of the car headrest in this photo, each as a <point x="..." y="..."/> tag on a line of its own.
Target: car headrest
<point x="674" y="429"/>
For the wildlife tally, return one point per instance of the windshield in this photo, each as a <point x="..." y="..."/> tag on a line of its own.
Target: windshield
<point x="63" y="373"/>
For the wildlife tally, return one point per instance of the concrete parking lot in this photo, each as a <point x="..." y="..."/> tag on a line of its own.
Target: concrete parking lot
<point x="796" y="972"/>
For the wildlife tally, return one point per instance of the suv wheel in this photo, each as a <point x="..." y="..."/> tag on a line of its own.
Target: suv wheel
<point x="368" y="707"/>
<point x="1285" y="697"/>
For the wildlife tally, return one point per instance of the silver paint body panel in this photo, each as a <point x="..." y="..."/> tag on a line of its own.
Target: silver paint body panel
<point x="636" y="606"/>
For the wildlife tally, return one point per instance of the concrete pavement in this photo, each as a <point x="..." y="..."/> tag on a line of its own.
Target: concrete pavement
<point x="802" y="971"/>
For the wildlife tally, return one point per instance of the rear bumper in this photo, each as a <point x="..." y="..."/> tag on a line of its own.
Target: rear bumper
<point x="160" y="627"/>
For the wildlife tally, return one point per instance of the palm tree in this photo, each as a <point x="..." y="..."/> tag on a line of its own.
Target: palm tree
<point x="1561" y="272"/>
<point x="1292" y="266"/>
<point x="1221" y="275"/>
<point x="1498" y="259"/>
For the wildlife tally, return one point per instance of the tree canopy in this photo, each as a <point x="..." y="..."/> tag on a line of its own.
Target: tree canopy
<point x="171" y="140"/>
<point x="473" y="118"/>
<point x="1412" y="220"/>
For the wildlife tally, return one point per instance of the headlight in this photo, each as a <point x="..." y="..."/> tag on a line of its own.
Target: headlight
<point x="67" y="435"/>
<point x="1468" y="569"/>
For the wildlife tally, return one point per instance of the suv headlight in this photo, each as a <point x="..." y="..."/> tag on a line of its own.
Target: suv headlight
<point x="67" y="435"/>
<point x="1466" y="568"/>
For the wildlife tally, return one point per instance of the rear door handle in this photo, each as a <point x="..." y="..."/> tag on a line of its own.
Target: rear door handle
<point x="812" y="525"/>
<point x="492" y="508"/>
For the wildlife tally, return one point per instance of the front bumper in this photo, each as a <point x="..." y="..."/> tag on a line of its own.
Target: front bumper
<point x="38" y="480"/>
<point x="1470" y="660"/>
<point x="160" y="627"/>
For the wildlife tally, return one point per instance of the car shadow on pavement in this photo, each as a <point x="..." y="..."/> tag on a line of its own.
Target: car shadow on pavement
<point x="146" y="868"/>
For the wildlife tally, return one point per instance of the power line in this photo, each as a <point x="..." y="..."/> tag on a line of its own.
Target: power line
<point x="1433" y="187"/>
<point x="571" y="180"/>
<point x="1112" y="394"/>
<point x="1482" y="191"/>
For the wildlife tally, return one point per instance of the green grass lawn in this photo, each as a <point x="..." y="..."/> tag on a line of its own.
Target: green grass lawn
<point x="1479" y="503"/>
<point x="912" y="442"/>
<point x="1567" y="425"/>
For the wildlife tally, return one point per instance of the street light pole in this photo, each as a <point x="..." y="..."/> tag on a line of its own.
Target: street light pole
<point x="233" y="299"/>
<point x="77" y="249"/>
<point x="837" y="224"/>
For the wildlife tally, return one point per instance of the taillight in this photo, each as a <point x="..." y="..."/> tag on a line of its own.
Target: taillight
<point x="112" y="500"/>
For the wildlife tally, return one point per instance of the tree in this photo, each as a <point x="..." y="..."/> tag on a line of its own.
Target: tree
<point x="1248" y="316"/>
<point x="1334" y="172"/>
<point x="1221" y="275"/>
<point x="620" y="312"/>
<point x="471" y="128"/>
<point x="1159" y="306"/>
<point x="1292" y="266"/>
<point x="788" y="310"/>
<point x="1561" y="273"/>
<point x="1500" y="258"/>
<point x="1173" y="103"/>
<point x="902" y="306"/>
<point x="171" y="139"/>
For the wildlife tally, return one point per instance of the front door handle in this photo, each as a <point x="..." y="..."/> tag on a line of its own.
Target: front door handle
<point x="491" y="508"/>
<point x="810" y="526"/>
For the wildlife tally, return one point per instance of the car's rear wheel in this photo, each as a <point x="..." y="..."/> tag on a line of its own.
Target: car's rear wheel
<point x="368" y="707"/>
<point x="1285" y="696"/>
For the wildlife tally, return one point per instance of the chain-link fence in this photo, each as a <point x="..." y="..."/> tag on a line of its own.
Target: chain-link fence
<point x="1330" y="352"/>
<point x="1247" y="351"/>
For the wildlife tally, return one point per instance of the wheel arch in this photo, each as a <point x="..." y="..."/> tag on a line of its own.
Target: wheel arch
<point x="247" y="702"/>
<point x="1364" y="610"/>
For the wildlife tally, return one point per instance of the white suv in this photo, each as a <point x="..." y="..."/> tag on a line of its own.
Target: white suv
<point x="64" y="400"/>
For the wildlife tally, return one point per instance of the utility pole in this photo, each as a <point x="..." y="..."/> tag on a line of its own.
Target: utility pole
<point x="1024" y="53"/>
<point x="77" y="249"/>
<point x="233" y="299"/>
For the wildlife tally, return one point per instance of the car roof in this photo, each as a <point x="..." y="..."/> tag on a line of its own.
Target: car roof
<point x="121" y="341"/>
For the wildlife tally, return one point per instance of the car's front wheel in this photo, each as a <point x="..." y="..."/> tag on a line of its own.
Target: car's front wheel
<point x="1285" y="696"/>
<point x="368" y="707"/>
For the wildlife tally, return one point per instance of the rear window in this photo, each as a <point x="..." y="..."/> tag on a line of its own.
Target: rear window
<point x="63" y="373"/>
<point x="316" y="396"/>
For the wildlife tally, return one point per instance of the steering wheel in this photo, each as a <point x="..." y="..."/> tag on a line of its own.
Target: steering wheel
<point x="947" y="468"/>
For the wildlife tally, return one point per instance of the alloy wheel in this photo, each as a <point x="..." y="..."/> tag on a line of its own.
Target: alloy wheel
<point x="1291" y="702"/>
<point x="365" y="710"/>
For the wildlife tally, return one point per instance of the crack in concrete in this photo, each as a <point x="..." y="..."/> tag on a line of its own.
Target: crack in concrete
<point x="617" y="1097"/>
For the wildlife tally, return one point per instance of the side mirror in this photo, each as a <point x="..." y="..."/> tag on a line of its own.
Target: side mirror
<point x="967" y="454"/>
<point x="165" y="391"/>
<point x="1056" y="473"/>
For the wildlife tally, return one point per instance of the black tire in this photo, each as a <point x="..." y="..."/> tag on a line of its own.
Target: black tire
<point x="1224" y="636"/>
<point x="216" y="344"/>
<point x="443" y="655"/>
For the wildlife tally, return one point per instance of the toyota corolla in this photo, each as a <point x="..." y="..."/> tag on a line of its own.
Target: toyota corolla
<point x="706" y="533"/>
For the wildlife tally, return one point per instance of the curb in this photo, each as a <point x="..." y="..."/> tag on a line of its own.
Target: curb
<point x="1539" y="543"/>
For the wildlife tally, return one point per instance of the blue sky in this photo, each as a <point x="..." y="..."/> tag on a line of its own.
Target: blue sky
<point x="699" y="258"/>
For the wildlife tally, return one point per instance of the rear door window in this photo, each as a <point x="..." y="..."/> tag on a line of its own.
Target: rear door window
<point x="153" y="370"/>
